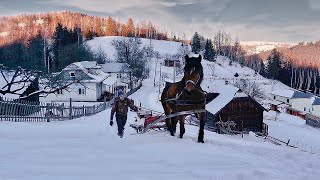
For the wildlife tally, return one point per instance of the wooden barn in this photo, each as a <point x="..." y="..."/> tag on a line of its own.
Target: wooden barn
<point x="234" y="105"/>
<point x="170" y="62"/>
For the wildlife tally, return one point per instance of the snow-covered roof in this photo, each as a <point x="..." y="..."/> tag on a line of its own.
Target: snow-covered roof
<point x="110" y="81"/>
<point x="240" y="94"/>
<point x="99" y="77"/>
<point x="226" y="94"/>
<point x="298" y="94"/>
<point x="316" y="102"/>
<point x="193" y="55"/>
<point x="87" y="64"/>
<point x="287" y="93"/>
<point x="113" y="67"/>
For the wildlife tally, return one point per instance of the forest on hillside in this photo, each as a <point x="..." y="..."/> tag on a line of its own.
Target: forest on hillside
<point x="297" y="66"/>
<point x="25" y="27"/>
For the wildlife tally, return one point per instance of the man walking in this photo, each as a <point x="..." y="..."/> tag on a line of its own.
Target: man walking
<point x="120" y="108"/>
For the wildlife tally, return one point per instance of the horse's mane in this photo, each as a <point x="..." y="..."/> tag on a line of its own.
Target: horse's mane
<point x="191" y="64"/>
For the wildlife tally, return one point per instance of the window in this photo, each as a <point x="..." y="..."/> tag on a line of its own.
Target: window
<point x="82" y="91"/>
<point x="274" y="97"/>
<point x="119" y="76"/>
<point x="72" y="74"/>
<point x="59" y="91"/>
<point x="287" y="100"/>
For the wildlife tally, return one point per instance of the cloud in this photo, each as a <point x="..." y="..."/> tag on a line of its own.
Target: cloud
<point x="314" y="4"/>
<point x="110" y="6"/>
<point x="271" y="20"/>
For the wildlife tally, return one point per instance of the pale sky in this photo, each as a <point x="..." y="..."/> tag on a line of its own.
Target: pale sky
<point x="250" y="20"/>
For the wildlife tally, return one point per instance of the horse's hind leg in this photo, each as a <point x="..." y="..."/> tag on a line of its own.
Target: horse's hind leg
<point x="167" y="111"/>
<point x="174" y="122"/>
<point x="182" y="129"/>
<point x="201" y="130"/>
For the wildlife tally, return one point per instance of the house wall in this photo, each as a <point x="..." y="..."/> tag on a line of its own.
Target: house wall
<point x="100" y="89"/>
<point x="246" y="113"/>
<point x="301" y="104"/>
<point x="124" y="76"/>
<point x="73" y="92"/>
<point x="281" y="99"/>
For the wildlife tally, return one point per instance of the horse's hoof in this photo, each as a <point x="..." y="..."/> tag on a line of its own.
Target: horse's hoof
<point x="181" y="137"/>
<point x="172" y="134"/>
<point x="200" y="141"/>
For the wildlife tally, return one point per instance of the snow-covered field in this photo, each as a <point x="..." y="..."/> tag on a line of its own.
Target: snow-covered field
<point x="161" y="46"/>
<point x="285" y="126"/>
<point x="255" y="47"/>
<point x="88" y="148"/>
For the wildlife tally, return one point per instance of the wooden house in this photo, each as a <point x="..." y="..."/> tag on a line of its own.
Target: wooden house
<point x="171" y="62"/>
<point x="234" y="105"/>
<point x="299" y="103"/>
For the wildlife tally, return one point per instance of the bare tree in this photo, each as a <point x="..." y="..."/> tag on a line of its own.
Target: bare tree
<point x="16" y="81"/>
<point x="250" y="88"/>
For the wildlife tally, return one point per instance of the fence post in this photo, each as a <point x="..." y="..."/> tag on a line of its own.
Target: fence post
<point x="1" y="110"/>
<point x="83" y="113"/>
<point x="288" y="142"/>
<point x="94" y="109"/>
<point x="48" y="112"/>
<point x="70" y="109"/>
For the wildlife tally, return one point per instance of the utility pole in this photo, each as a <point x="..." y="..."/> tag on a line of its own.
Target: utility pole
<point x="174" y="71"/>
<point x="159" y="79"/>
<point x="155" y="74"/>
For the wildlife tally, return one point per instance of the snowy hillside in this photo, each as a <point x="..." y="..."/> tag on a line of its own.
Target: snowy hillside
<point x="88" y="147"/>
<point x="255" y="47"/>
<point x="161" y="46"/>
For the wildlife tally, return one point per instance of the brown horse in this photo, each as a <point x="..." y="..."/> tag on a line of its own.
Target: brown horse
<point x="185" y="95"/>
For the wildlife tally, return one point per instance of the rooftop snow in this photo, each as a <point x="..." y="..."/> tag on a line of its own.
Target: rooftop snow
<point x="113" y="67"/>
<point x="87" y="64"/>
<point x="110" y="81"/>
<point x="226" y="94"/>
<point x="241" y="94"/>
<point x="283" y="93"/>
<point x="291" y="94"/>
<point x="316" y="101"/>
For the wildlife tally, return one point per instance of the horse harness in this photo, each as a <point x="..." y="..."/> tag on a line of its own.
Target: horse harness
<point x="181" y="100"/>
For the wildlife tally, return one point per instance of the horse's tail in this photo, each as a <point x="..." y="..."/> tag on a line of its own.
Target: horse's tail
<point x="165" y="92"/>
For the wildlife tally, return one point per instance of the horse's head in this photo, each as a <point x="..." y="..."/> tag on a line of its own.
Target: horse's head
<point x="193" y="72"/>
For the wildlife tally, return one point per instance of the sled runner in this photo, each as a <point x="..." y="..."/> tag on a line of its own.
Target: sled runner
<point x="158" y="122"/>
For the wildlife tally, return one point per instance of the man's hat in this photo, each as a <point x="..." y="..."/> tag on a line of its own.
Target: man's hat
<point x="121" y="93"/>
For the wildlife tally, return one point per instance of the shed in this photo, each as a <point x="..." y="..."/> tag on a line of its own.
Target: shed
<point x="234" y="105"/>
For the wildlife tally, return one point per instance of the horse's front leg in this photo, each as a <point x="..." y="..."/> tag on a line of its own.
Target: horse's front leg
<point x="182" y="129"/>
<point x="201" y="130"/>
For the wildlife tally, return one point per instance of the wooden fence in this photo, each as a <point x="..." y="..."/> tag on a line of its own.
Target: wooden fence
<point x="29" y="111"/>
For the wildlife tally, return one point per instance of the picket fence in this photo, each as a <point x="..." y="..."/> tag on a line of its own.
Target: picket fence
<point x="18" y="110"/>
